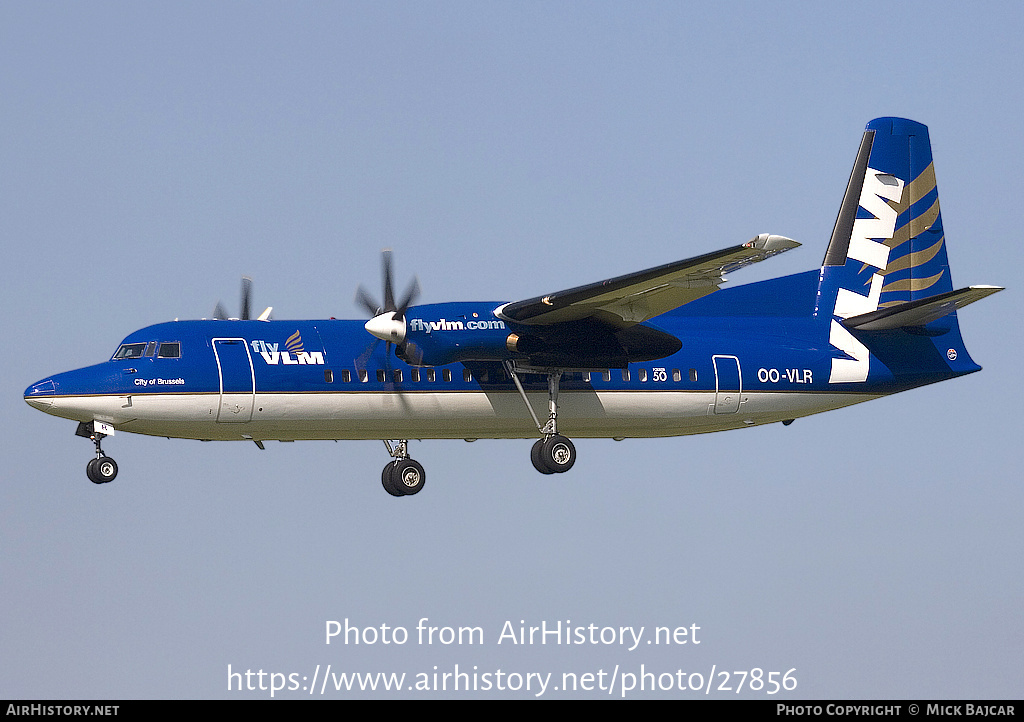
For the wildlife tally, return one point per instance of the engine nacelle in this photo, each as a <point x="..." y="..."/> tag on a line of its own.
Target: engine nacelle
<point x="441" y="334"/>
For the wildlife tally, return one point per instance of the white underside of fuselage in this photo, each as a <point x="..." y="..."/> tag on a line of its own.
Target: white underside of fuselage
<point x="437" y="415"/>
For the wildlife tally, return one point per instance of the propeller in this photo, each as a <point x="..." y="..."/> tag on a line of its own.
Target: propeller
<point x="221" y="313"/>
<point x="387" y="321"/>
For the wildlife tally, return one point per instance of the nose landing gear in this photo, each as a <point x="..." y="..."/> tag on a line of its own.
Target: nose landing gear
<point x="102" y="469"/>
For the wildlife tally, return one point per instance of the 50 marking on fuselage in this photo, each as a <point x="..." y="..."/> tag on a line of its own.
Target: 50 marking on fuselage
<point x="793" y="376"/>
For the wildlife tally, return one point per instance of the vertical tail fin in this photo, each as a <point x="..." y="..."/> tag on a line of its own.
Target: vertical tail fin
<point x="888" y="239"/>
<point x="887" y="260"/>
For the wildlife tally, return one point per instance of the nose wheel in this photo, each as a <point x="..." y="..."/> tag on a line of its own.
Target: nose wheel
<point x="102" y="469"/>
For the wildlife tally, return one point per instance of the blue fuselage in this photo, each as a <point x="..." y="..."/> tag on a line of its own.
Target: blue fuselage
<point x="750" y="355"/>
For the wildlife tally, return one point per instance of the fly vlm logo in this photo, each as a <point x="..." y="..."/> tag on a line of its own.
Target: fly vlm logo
<point x="292" y="355"/>
<point x="418" y="324"/>
<point x="867" y="245"/>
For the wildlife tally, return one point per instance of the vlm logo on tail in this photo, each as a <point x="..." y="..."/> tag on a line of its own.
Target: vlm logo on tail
<point x="880" y="219"/>
<point x="868" y="245"/>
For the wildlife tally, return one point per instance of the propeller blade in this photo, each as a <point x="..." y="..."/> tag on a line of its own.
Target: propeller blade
<point x="365" y="300"/>
<point x="392" y="377"/>
<point x="220" y="312"/>
<point x="246" y="297"/>
<point x="389" y="294"/>
<point x="411" y="295"/>
<point x="364" y="357"/>
<point x="387" y="322"/>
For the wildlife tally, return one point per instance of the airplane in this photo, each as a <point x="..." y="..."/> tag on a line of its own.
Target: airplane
<point x="661" y="352"/>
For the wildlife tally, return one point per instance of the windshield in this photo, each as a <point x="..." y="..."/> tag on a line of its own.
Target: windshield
<point x="130" y="350"/>
<point x="169" y="349"/>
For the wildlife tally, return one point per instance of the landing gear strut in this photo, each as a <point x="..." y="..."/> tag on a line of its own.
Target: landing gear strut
<point x="403" y="476"/>
<point x="102" y="469"/>
<point x="554" y="453"/>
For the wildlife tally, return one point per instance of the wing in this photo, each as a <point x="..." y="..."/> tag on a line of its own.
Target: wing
<point x="628" y="300"/>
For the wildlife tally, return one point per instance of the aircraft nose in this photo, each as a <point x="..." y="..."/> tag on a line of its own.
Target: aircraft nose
<point x="40" y="394"/>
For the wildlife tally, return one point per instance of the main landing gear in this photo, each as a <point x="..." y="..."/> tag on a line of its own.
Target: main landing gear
<point x="102" y="469"/>
<point x="551" y="454"/>
<point x="554" y="453"/>
<point x="403" y="476"/>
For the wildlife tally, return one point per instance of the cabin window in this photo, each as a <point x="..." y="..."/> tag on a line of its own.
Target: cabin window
<point x="467" y="375"/>
<point x="643" y="374"/>
<point x="625" y="374"/>
<point x="676" y="376"/>
<point x="693" y="375"/>
<point x="484" y="377"/>
<point x="430" y="375"/>
<point x="346" y="375"/>
<point x="328" y="376"/>
<point x="415" y="374"/>
<point x="380" y="375"/>
<point x="396" y="376"/>
<point x="607" y="375"/>
<point x="169" y="349"/>
<point x="363" y="376"/>
<point x="447" y="375"/>
<point x="130" y="350"/>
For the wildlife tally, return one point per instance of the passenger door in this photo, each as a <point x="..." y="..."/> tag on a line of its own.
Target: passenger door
<point x="237" y="382"/>
<point x="728" y="384"/>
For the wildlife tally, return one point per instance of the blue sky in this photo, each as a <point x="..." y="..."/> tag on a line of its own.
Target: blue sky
<point x="151" y="154"/>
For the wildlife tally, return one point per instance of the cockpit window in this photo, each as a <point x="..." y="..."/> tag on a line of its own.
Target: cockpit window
<point x="170" y="349"/>
<point x="130" y="350"/>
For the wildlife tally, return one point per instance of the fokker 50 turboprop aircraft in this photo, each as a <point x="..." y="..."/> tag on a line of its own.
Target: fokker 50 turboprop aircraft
<point x="661" y="352"/>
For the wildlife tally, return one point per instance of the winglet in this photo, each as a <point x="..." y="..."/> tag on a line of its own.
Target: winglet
<point x="771" y="244"/>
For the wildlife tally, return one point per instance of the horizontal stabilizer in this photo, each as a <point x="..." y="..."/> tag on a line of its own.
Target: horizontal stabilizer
<point x="920" y="312"/>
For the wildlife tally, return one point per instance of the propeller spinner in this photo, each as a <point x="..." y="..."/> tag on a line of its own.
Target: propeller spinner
<point x="388" y="320"/>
